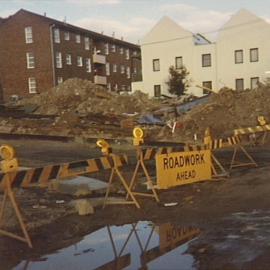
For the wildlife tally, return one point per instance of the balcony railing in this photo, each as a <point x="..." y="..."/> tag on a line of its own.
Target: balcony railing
<point x="99" y="59"/>
<point x="102" y="80"/>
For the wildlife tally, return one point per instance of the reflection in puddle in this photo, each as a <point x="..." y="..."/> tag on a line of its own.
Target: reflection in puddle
<point x="141" y="245"/>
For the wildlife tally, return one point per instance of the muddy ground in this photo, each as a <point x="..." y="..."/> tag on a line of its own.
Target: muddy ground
<point x="210" y="206"/>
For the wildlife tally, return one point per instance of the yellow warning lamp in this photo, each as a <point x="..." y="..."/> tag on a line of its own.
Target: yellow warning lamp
<point x="138" y="136"/>
<point x="207" y="136"/>
<point x="9" y="162"/>
<point x="261" y="120"/>
<point x="105" y="147"/>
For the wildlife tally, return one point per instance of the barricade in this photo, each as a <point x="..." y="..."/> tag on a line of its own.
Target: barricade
<point x="11" y="177"/>
<point x="143" y="155"/>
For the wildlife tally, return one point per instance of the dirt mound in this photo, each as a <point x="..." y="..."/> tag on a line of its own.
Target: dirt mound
<point x="228" y="110"/>
<point x="84" y="97"/>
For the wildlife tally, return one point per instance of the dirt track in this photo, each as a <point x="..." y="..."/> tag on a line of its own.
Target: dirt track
<point x="211" y="206"/>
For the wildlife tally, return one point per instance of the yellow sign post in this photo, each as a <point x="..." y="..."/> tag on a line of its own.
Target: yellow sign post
<point x="182" y="168"/>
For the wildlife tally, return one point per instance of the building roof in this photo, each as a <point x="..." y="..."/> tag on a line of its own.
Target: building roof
<point x="74" y="28"/>
<point x="166" y="29"/>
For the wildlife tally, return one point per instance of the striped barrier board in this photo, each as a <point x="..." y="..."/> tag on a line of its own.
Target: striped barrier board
<point x="150" y="153"/>
<point x="43" y="175"/>
<point x="250" y="130"/>
<point x="215" y="144"/>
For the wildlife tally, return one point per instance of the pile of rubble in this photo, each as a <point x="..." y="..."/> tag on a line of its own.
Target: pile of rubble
<point x="223" y="113"/>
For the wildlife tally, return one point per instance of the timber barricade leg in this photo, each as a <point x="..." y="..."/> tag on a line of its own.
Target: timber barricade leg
<point x="149" y="182"/>
<point x="9" y="194"/>
<point x="234" y="163"/>
<point x="116" y="172"/>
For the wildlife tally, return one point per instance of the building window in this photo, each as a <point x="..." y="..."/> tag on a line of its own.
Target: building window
<point x="68" y="59"/>
<point x="30" y="59"/>
<point x="123" y="88"/>
<point x="88" y="65"/>
<point x="122" y="69"/>
<point x="66" y="36"/>
<point x="114" y="68"/>
<point x="116" y="87"/>
<point x="135" y="70"/>
<point x="113" y="48"/>
<point x="238" y="57"/>
<point x="108" y="72"/>
<point x="56" y="34"/>
<point x="109" y="86"/>
<point x="58" y="58"/>
<point x="239" y="84"/>
<point x="208" y="85"/>
<point x="254" y="55"/>
<point x="32" y="85"/>
<point x="178" y="62"/>
<point x="254" y="82"/>
<point x="79" y="61"/>
<point x="106" y="48"/>
<point x="121" y="50"/>
<point x="156" y="65"/>
<point x="206" y="60"/>
<point x="135" y="53"/>
<point x="157" y="90"/>
<point x="28" y="34"/>
<point x="78" y="38"/>
<point x="129" y="88"/>
<point x="59" y="80"/>
<point x="128" y="72"/>
<point x="127" y="54"/>
<point x="87" y="43"/>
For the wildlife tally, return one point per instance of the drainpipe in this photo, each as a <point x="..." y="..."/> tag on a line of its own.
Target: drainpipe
<point x="52" y="52"/>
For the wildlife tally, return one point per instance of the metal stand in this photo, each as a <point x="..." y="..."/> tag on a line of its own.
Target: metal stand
<point x="235" y="164"/>
<point x="216" y="166"/>
<point x="149" y="182"/>
<point x="115" y="171"/>
<point x="9" y="194"/>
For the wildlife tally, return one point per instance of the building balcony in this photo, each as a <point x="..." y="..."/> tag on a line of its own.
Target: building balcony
<point x="99" y="59"/>
<point x="102" y="80"/>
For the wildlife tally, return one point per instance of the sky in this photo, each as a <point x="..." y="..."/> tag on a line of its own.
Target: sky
<point x="132" y="19"/>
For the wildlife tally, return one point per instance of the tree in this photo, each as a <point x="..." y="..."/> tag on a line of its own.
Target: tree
<point x="178" y="82"/>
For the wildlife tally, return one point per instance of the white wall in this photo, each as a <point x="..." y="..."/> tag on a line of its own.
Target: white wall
<point x="243" y="32"/>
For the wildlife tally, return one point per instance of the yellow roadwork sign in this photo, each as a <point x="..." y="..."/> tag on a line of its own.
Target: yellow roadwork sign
<point x="182" y="168"/>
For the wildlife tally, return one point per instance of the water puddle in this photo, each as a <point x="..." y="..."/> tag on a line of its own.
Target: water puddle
<point x="141" y="245"/>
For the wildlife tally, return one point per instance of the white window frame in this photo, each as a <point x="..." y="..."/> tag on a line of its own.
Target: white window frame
<point x="114" y="68"/>
<point x="135" y="70"/>
<point x="56" y="35"/>
<point x="113" y="48"/>
<point x="88" y="65"/>
<point x="206" y="60"/>
<point x="87" y="43"/>
<point x="127" y="54"/>
<point x="59" y="80"/>
<point x="67" y="35"/>
<point x="106" y="48"/>
<point x="68" y="59"/>
<point x="32" y="85"/>
<point x="178" y="62"/>
<point x="128" y="72"/>
<point x="122" y="68"/>
<point x="58" y="60"/>
<point x="121" y="50"/>
<point x="156" y="65"/>
<point x="108" y="69"/>
<point x="79" y="61"/>
<point x="78" y="38"/>
<point x="30" y="59"/>
<point x="28" y="31"/>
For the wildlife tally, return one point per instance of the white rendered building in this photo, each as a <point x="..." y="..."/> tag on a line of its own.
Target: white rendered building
<point x="238" y="59"/>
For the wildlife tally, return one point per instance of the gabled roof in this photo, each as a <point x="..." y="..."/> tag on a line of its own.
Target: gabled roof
<point x="241" y="18"/>
<point x="165" y="29"/>
<point x="76" y="29"/>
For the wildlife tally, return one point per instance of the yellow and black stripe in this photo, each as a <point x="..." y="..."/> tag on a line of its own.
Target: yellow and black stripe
<point x="43" y="175"/>
<point x="250" y="130"/>
<point x="150" y="153"/>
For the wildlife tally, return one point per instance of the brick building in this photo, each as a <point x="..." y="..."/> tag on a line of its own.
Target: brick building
<point x="37" y="53"/>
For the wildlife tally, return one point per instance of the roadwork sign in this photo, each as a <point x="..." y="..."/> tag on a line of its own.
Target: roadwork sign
<point x="182" y="168"/>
